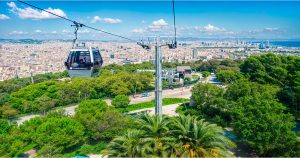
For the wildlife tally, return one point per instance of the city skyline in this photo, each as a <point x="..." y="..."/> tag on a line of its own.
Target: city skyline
<point x="136" y="19"/>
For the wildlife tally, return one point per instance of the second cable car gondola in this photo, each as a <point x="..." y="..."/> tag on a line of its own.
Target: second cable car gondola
<point x="84" y="61"/>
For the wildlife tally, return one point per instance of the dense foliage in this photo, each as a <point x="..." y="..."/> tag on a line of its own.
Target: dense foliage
<point x="57" y="135"/>
<point x="262" y="124"/>
<point x="205" y="73"/>
<point x="216" y="65"/>
<point x="256" y="103"/>
<point x="182" y="136"/>
<point x="120" y="101"/>
<point x="43" y="96"/>
<point x="228" y="76"/>
<point x="12" y="85"/>
<point x="101" y="122"/>
<point x="255" y="114"/>
<point x="283" y="71"/>
<point x="50" y="135"/>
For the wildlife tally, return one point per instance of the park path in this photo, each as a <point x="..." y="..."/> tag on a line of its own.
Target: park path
<point x="169" y="110"/>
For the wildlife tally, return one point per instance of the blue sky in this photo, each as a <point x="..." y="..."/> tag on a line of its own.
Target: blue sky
<point x="137" y="19"/>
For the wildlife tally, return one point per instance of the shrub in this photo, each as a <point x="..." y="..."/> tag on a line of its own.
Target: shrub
<point x="120" y="101"/>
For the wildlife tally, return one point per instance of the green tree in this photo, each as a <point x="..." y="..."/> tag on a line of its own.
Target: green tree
<point x="156" y="135"/>
<point x="205" y="73"/>
<point x="49" y="150"/>
<point x="59" y="133"/>
<point x="206" y="94"/>
<point x="182" y="136"/>
<point x="253" y="69"/>
<point x="101" y="122"/>
<point x="243" y="88"/>
<point x="4" y="97"/>
<point x="263" y="125"/>
<point x="197" y="138"/>
<point x="44" y="103"/>
<point x="228" y="76"/>
<point x="6" y="111"/>
<point x="120" y="101"/>
<point x="127" y="145"/>
<point x="209" y="102"/>
<point x="4" y="126"/>
<point x="150" y="140"/>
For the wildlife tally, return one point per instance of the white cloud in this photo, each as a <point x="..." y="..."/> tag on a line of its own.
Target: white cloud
<point x="54" y="32"/>
<point x="137" y="31"/>
<point x="96" y="19"/>
<point x="38" y="31"/>
<point x="105" y="20"/>
<point x="269" y="29"/>
<point x="210" y="28"/>
<point x="18" y="33"/>
<point x="65" y="31"/>
<point x="160" y="22"/>
<point x="265" y="30"/>
<point x="158" y="25"/>
<point x="112" y="21"/>
<point x="4" y="17"/>
<point x="29" y="13"/>
<point x="84" y="31"/>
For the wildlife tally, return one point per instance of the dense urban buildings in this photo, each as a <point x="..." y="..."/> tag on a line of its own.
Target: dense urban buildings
<point x="24" y="59"/>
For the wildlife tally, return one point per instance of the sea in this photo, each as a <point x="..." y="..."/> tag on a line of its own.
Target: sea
<point x="285" y="43"/>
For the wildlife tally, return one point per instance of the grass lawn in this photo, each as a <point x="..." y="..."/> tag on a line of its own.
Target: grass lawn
<point x="149" y="104"/>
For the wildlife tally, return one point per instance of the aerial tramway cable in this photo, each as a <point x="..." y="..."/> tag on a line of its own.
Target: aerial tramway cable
<point x="173" y="45"/>
<point x="174" y="21"/>
<point x="77" y="23"/>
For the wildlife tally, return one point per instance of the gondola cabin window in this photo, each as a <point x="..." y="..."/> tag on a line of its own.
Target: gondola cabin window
<point x="79" y="59"/>
<point x="97" y="58"/>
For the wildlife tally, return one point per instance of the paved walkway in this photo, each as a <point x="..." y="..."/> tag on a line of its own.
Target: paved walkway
<point x="25" y="118"/>
<point x="183" y="92"/>
<point x="169" y="110"/>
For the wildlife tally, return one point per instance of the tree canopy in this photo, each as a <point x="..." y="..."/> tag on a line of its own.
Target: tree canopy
<point x="263" y="124"/>
<point x="183" y="136"/>
<point x="120" y="101"/>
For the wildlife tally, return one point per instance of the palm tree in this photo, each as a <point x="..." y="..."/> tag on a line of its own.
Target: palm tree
<point x="128" y="145"/>
<point x="197" y="138"/>
<point x="157" y="136"/>
<point x="183" y="136"/>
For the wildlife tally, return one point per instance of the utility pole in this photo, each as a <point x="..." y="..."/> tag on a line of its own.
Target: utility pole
<point x="158" y="81"/>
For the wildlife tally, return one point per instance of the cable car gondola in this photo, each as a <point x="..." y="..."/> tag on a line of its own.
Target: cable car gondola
<point x="84" y="61"/>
